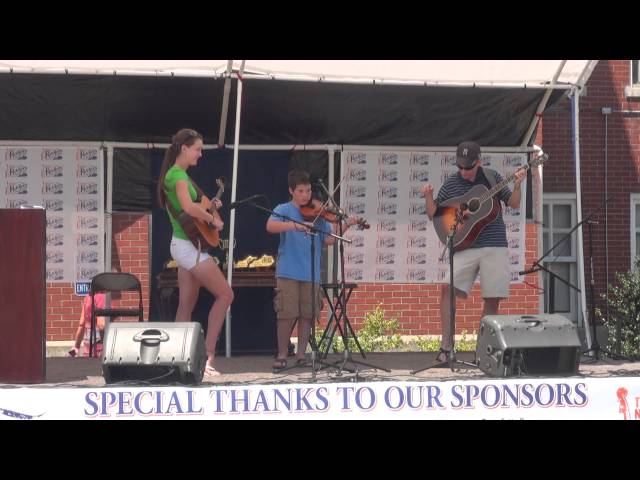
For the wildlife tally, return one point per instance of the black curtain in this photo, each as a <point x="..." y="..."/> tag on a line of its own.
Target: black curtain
<point x="253" y="318"/>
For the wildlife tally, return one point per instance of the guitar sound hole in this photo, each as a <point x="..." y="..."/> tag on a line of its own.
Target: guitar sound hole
<point x="474" y="204"/>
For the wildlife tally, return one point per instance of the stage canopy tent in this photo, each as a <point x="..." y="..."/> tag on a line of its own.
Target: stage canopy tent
<point x="352" y="102"/>
<point x="428" y="103"/>
<point x="464" y="72"/>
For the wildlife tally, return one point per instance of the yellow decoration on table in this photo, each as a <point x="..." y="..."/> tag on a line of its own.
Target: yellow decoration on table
<point x="264" y="261"/>
<point x="245" y="263"/>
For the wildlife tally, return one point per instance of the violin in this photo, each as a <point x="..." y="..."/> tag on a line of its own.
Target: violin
<point x="315" y="209"/>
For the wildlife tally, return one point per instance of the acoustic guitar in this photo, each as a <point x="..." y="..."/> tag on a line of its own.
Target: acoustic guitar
<point x="478" y="208"/>
<point x="199" y="232"/>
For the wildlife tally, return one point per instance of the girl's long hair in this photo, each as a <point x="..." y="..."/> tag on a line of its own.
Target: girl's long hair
<point x="186" y="136"/>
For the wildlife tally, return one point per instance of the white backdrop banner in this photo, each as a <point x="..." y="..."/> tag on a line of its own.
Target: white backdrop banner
<point x="539" y="398"/>
<point x="402" y="246"/>
<point x="69" y="183"/>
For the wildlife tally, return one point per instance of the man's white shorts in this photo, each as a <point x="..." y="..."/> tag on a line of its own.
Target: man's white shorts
<point x="185" y="254"/>
<point x="493" y="265"/>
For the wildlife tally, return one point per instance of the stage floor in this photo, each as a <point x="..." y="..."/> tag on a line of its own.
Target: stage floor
<point x="256" y="370"/>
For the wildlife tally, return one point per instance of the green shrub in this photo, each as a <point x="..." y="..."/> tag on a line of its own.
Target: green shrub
<point x="426" y="344"/>
<point x="377" y="334"/>
<point x="624" y="303"/>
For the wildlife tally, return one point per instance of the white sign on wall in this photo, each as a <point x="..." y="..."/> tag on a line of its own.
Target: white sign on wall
<point x="69" y="183"/>
<point x="402" y="246"/>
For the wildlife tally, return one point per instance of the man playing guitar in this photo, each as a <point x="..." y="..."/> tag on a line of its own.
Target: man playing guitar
<point x="482" y="246"/>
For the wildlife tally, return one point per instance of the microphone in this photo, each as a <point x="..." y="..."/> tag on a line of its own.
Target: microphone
<point x="243" y="201"/>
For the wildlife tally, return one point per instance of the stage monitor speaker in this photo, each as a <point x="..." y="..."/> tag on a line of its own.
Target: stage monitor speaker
<point x="155" y="352"/>
<point x="517" y="345"/>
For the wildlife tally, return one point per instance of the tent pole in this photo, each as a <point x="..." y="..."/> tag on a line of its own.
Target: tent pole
<point x="541" y="106"/>
<point x="232" y="222"/>
<point x="579" y="248"/>
<point x="538" y="217"/>
<point x="225" y="103"/>
<point x="331" y="184"/>
<point x="108" y="226"/>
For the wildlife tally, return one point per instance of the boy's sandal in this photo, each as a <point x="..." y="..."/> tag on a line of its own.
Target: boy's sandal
<point x="301" y="362"/>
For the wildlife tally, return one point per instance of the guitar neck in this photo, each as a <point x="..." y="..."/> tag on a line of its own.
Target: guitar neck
<point x="499" y="186"/>
<point x="218" y="195"/>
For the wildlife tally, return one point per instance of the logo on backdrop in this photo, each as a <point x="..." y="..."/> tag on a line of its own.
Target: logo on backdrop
<point x="16" y="188"/>
<point x="16" y="154"/>
<point x="16" y="171"/>
<point x="52" y="154"/>
<point x="90" y="154"/>
<point x="419" y="159"/>
<point x="52" y="171"/>
<point x="87" y="171"/>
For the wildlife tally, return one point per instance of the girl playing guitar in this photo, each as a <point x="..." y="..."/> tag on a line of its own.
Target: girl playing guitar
<point x="196" y="269"/>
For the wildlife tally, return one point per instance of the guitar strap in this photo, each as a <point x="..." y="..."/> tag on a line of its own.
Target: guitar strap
<point x="171" y="209"/>
<point x="491" y="176"/>
<point x="199" y="191"/>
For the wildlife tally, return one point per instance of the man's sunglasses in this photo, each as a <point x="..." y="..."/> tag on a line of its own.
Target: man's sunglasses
<point x="467" y="168"/>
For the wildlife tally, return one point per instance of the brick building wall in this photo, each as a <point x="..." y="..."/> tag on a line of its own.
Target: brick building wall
<point x="416" y="306"/>
<point x="130" y="253"/>
<point x="605" y="88"/>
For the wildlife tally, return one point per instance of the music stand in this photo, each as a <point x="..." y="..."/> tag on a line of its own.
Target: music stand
<point x="452" y="361"/>
<point x="338" y="307"/>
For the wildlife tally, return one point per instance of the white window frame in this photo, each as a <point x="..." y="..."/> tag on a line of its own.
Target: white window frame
<point x="634" y="199"/>
<point x="633" y="89"/>
<point x="570" y="199"/>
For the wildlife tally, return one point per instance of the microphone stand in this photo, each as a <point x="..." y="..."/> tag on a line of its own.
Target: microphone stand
<point x="451" y="362"/>
<point x="313" y="231"/>
<point x="536" y="266"/>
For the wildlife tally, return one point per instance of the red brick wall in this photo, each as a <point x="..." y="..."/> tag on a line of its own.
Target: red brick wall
<point x="130" y="253"/>
<point x="605" y="88"/>
<point x="417" y="306"/>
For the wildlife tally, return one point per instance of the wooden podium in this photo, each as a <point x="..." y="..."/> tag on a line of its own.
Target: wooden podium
<point x="22" y="295"/>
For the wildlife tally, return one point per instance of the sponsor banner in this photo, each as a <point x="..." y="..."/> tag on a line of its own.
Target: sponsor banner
<point x="68" y="182"/>
<point x="540" y="398"/>
<point x="402" y="246"/>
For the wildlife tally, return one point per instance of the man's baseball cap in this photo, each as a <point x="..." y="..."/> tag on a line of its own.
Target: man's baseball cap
<point x="467" y="153"/>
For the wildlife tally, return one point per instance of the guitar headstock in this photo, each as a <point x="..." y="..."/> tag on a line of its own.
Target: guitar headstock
<point x="539" y="160"/>
<point x="221" y="183"/>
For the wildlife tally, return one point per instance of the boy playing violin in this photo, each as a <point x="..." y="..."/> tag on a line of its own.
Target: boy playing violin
<point x="293" y="299"/>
